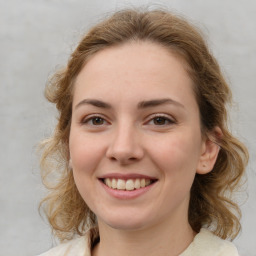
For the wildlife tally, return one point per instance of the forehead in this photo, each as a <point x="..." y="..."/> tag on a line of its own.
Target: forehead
<point x="138" y="69"/>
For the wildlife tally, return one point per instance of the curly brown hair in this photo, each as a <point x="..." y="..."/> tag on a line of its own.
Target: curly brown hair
<point x="211" y="203"/>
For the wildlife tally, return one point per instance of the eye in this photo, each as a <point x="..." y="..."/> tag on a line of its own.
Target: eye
<point x="161" y="120"/>
<point x="94" y="121"/>
<point x="97" y="121"/>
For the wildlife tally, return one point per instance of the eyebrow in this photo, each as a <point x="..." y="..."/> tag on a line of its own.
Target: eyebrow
<point x="141" y="105"/>
<point x="157" y="102"/>
<point x="94" y="102"/>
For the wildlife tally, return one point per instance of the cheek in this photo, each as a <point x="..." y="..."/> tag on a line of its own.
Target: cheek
<point x="178" y="154"/>
<point x="85" y="153"/>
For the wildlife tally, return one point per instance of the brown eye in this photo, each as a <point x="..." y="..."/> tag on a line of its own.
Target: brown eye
<point x="94" y="121"/>
<point x="97" y="121"/>
<point x="161" y="120"/>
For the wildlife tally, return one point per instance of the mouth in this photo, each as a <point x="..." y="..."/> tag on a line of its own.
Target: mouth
<point x="127" y="184"/>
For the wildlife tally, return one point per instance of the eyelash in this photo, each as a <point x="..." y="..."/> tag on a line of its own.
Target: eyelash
<point x="165" y="118"/>
<point x="91" y="119"/>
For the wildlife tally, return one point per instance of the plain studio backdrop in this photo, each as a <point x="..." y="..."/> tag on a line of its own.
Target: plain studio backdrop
<point x="37" y="36"/>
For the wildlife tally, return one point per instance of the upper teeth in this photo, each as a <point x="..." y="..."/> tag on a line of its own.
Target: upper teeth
<point x="129" y="184"/>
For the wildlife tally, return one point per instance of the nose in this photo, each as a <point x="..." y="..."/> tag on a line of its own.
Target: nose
<point x="124" y="146"/>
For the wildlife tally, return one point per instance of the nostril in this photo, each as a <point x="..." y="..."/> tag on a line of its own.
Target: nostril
<point x="123" y="160"/>
<point x="124" y="153"/>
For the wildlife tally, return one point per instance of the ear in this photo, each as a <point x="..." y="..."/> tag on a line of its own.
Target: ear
<point x="209" y="152"/>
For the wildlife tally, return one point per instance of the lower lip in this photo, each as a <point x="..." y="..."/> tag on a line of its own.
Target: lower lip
<point x="127" y="194"/>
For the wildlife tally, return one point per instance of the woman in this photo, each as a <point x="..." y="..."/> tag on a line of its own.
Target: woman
<point x="145" y="162"/>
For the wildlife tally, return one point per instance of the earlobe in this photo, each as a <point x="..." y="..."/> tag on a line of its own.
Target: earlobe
<point x="210" y="151"/>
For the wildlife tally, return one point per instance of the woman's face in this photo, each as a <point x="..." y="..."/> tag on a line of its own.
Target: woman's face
<point x="135" y="140"/>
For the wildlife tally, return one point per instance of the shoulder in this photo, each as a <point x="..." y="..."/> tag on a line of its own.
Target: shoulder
<point x="78" y="247"/>
<point x="206" y="241"/>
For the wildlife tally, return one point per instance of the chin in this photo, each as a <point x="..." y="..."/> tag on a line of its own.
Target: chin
<point x="125" y="223"/>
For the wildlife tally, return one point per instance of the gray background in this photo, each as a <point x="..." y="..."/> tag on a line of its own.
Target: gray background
<point x="36" y="36"/>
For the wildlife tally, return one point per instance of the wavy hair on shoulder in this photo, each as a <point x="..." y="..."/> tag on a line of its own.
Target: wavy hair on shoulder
<point x="211" y="202"/>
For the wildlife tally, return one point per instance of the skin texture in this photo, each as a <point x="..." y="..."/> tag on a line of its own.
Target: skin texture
<point x="125" y="138"/>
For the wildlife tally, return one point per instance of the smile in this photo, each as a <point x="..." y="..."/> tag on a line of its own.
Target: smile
<point x="129" y="184"/>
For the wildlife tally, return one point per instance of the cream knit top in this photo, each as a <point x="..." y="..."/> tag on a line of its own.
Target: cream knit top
<point x="205" y="243"/>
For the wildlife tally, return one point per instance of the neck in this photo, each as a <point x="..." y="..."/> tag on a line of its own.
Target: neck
<point x="162" y="239"/>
